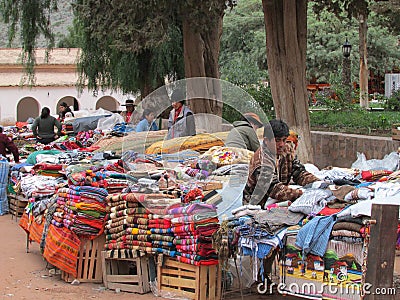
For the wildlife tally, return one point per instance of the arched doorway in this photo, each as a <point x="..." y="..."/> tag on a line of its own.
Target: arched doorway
<point x="107" y="103"/>
<point x="71" y="101"/>
<point x="27" y="107"/>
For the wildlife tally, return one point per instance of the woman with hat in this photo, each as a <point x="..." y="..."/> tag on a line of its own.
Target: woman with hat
<point x="130" y="115"/>
<point x="243" y="134"/>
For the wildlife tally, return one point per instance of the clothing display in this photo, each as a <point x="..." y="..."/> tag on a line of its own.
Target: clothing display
<point x="182" y="198"/>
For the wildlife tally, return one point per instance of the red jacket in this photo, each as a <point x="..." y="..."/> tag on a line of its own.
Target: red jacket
<point x="7" y="143"/>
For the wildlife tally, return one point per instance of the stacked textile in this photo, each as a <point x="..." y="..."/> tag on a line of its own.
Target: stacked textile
<point x="193" y="226"/>
<point x="46" y="169"/>
<point x="348" y="229"/>
<point x="32" y="186"/>
<point x="81" y="209"/>
<point x="132" y="223"/>
<point x="257" y="232"/>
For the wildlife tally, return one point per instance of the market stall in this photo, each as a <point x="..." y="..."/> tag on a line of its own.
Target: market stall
<point x="102" y="210"/>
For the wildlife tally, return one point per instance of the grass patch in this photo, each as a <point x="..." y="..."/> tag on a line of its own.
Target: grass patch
<point x="357" y="121"/>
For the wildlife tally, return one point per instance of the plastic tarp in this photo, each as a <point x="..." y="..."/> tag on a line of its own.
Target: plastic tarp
<point x="87" y="123"/>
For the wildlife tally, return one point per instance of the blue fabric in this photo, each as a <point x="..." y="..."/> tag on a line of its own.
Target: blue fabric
<point x="145" y="126"/>
<point x="314" y="236"/>
<point x="4" y="168"/>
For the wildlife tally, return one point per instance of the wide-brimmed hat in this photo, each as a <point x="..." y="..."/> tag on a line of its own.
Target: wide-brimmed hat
<point x="130" y="102"/>
<point x="253" y="118"/>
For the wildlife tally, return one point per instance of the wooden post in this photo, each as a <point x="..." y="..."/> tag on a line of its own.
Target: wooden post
<point x="381" y="253"/>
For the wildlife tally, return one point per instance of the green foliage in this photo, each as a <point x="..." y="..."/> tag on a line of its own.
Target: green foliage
<point x="355" y="121"/>
<point x="243" y="53"/>
<point x="336" y="97"/>
<point x="389" y="12"/>
<point x="33" y="18"/>
<point x="393" y="103"/>
<point x="327" y="33"/>
<point x="124" y="47"/>
<point x="75" y="38"/>
<point x="262" y="96"/>
<point x="130" y="45"/>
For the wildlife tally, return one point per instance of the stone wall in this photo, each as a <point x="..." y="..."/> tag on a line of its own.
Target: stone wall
<point x="340" y="150"/>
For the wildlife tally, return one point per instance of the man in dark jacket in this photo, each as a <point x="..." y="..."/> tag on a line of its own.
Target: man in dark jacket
<point x="7" y="144"/>
<point x="243" y="134"/>
<point x="273" y="167"/>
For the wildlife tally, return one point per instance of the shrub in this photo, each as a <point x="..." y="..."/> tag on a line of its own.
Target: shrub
<point x="393" y="103"/>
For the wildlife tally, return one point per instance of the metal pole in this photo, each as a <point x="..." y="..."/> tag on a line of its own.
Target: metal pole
<point x="346" y="78"/>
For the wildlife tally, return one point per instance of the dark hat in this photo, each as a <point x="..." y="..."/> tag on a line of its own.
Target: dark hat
<point x="64" y="104"/>
<point x="253" y="118"/>
<point x="130" y="102"/>
<point x="178" y="95"/>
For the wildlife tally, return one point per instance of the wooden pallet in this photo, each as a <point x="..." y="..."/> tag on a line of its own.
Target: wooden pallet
<point x="89" y="268"/>
<point x="16" y="205"/>
<point x="126" y="274"/>
<point x="189" y="281"/>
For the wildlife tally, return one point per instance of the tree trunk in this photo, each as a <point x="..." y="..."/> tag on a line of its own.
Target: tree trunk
<point x="286" y="30"/>
<point x="201" y="52"/>
<point x="144" y="66"/>
<point x="363" y="29"/>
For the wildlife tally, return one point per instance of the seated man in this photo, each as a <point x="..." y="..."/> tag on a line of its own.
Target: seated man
<point x="272" y="168"/>
<point x="243" y="134"/>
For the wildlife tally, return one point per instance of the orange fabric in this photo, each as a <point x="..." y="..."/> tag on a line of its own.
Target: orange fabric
<point x="36" y="231"/>
<point x="32" y="228"/>
<point x="23" y="222"/>
<point x="61" y="250"/>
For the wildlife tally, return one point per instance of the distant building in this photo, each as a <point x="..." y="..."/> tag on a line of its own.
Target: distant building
<point x="55" y="83"/>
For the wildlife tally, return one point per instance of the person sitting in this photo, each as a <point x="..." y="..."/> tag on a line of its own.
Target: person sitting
<point x="64" y="112"/>
<point x="43" y="127"/>
<point x="7" y="144"/>
<point x="147" y="123"/>
<point x="243" y="134"/>
<point x="273" y="167"/>
<point x="130" y="115"/>
<point x="181" y="119"/>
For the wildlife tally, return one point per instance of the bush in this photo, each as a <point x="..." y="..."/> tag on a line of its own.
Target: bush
<point x="355" y="121"/>
<point x="393" y="103"/>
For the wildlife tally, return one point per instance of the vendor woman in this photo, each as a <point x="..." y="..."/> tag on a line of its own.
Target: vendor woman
<point x="147" y="123"/>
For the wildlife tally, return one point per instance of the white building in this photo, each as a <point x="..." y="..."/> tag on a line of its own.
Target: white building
<point x="55" y="82"/>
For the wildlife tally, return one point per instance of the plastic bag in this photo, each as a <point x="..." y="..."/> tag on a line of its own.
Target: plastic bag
<point x="108" y="123"/>
<point x="390" y="162"/>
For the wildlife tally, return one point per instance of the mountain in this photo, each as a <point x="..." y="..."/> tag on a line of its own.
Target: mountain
<point x="60" y="20"/>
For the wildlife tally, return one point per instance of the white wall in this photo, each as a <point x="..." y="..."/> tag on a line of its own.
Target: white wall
<point x="49" y="96"/>
<point x="392" y="83"/>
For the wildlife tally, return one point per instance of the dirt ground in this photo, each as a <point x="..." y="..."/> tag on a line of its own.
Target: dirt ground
<point x="25" y="276"/>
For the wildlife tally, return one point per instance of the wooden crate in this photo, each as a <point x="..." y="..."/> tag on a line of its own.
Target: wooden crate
<point x="16" y="205"/>
<point x="126" y="274"/>
<point x="89" y="267"/>
<point x="396" y="132"/>
<point x="189" y="281"/>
